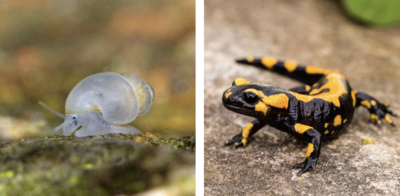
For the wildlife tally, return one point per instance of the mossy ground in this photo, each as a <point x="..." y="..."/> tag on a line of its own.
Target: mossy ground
<point x="100" y="165"/>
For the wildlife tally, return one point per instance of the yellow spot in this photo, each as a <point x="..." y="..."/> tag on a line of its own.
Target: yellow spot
<point x="374" y="118"/>
<point x="244" y="141"/>
<point x="315" y="91"/>
<point x="353" y="95"/>
<point x="333" y="132"/>
<point x="373" y="102"/>
<point x="257" y="92"/>
<point x="237" y="143"/>
<point x="366" y="104"/>
<point x="240" y="81"/>
<point x="278" y="101"/>
<point x="261" y="107"/>
<point x="308" y="88"/>
<point x="387" y="118"/>
<point x="269" y="62"/>
<point x="335" y="86"/>
<point x="366" y="142"/>
<point x="315" y="70"/>
<point x="290" y="65"/>
<point x="310" y="149"/>
<point x="337" y="121"/>
<point x="228" y="93"/>
<point x="300" y="128"/>
<point x="326" y="125"/>
<point x="344" y="121"/>
<point x="250" y="59"/>
<point x="304" y="98"/>
<point x="246" y="130"/>
<point x="326" y="132"/>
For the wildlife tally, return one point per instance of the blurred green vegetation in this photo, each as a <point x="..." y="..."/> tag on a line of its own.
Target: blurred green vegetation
<point x="373" y="12"/>
<point x="47" y="47"/>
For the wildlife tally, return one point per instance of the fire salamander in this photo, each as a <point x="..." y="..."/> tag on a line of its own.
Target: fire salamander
<point x="318" y="110"/>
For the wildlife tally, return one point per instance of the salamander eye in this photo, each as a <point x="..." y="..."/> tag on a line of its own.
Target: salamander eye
<point x="250" y="97"/>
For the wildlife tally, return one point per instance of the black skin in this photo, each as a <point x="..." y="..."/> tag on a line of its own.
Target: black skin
<point x="314" y="114"/>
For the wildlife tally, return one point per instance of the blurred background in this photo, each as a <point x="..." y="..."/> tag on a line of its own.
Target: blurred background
<point x="48" y="46"/>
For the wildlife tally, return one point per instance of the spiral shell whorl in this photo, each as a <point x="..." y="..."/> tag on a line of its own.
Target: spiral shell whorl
<point x="144" y="92"/>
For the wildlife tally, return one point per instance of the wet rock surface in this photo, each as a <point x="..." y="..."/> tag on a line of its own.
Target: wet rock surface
<point x="310" y="32"/>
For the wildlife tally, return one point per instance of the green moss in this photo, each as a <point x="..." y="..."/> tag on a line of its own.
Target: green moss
<point x="100" y="165"/>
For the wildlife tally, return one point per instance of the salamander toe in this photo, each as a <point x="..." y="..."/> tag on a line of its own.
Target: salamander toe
<point x="307" y="164"/>
<point x="236" y="141"/>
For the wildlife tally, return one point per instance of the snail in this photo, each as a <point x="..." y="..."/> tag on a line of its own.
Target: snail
<point x="105" y="103"/>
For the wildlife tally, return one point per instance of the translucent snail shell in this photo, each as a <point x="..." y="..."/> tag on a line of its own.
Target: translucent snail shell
<point x="105" y="103"/>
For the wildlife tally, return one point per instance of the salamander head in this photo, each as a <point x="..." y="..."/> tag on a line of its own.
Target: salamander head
<point x="255" y="99"/>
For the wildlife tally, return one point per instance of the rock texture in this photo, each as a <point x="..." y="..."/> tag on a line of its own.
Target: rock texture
<point x="310" y="32"/>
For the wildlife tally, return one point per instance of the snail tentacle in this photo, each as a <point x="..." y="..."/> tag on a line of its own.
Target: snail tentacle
<point x="52" y="111"/>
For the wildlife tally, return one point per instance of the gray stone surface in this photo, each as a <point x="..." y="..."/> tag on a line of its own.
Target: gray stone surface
<point x="309" y="31"/>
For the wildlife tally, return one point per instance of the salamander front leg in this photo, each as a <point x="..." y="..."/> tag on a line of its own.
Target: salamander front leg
<point x="313" y="137"/>
<point x="241" y="139"/>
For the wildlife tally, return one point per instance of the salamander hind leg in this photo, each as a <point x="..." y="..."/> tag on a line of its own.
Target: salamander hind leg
<point x="242" y="139"/>
<point x="378" y="110"/>
<point x="305" y="89"/>
<point x="313" y="137"/>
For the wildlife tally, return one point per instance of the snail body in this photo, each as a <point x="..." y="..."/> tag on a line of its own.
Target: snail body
<point x="105" y="103"/>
